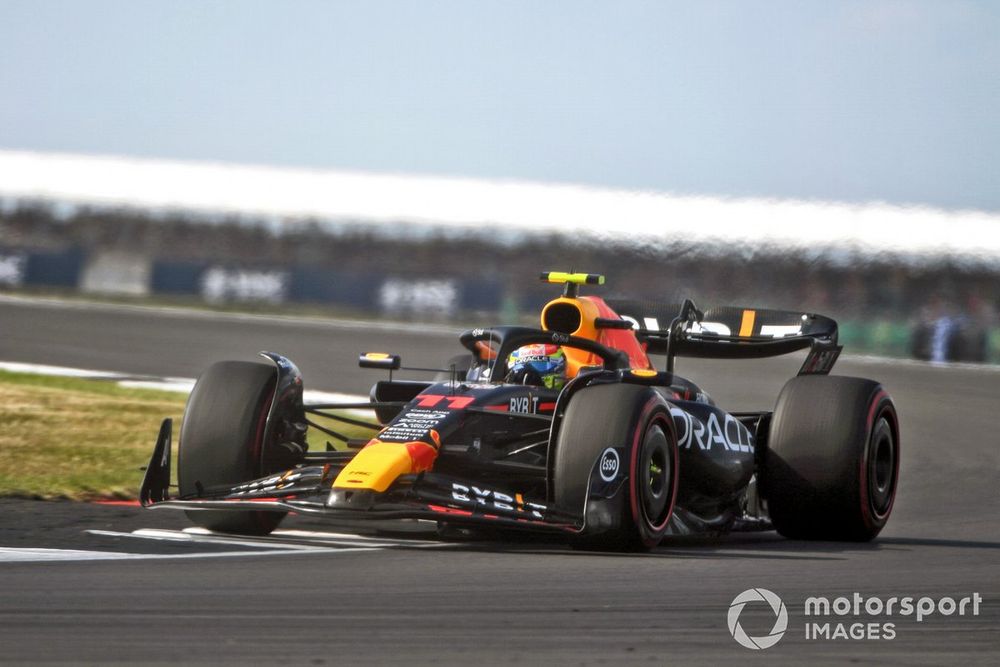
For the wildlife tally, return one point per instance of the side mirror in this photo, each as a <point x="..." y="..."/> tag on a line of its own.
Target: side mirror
<point x="388" y="362"/>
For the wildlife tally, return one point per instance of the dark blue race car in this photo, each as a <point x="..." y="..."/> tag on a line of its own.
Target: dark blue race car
<point x="614" y="453"/>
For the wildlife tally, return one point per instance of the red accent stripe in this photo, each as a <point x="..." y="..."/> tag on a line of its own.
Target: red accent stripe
<point x="497" y="408"/>
<point x="448" y="510"/>
<point x="547" y="407"/>
<point x="118" y="503"/>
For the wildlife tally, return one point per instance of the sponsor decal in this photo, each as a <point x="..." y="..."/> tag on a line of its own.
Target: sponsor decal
<point x="818" y="362"/>
<point x="498" y="500"/>
<point x="721" y="329"/>
<point x="528" y="404"/>
<point x="780" y="331"/>
<point x="523" y="404"/>
<point x="415" y="424"/>
<point x="218" y="285"/>
<point x="716" y="328"/>
<point x="441" y="401"/>
<point x="533" y="353"/>
<point x="730" y="435"/>
<point x="609" y="464"/>
<point x="418" y="297"/>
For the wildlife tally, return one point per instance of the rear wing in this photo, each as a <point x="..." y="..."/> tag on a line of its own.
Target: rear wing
<point x="730" y="332"/>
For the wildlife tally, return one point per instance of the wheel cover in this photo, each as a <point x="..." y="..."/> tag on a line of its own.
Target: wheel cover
<point x="655" y="475"/>
<point x="882" y="467"/>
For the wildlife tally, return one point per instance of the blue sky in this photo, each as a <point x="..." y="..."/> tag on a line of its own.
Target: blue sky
<point x="851" y="101"/>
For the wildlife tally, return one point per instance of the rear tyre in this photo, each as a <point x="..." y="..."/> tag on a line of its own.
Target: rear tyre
<point x="635" y="420"/>
<point x="222" y="441"/>
<point x="832" y="463"/>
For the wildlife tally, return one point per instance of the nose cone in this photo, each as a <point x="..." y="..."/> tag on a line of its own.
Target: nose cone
<point x="379" y="464"/>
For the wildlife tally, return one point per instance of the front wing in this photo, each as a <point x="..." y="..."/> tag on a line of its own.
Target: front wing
<point x="308" y="490"/>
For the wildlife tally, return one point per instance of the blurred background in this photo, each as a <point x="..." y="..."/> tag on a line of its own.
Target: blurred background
<point x="424" y="161"/>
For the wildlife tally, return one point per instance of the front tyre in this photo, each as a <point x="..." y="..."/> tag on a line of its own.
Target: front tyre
<point x="222" y="441"/>
<point x="832" y="463"/>
<point x="636" y="422"/>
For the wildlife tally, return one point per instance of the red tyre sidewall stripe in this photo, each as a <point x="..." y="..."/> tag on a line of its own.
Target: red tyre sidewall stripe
<point x="634" y="470"/>
<point x="866" y="507"/>
<point x="634" y="459"/>
<point x="257" y="446"/>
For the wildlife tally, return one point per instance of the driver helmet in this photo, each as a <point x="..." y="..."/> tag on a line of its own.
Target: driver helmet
<point x="541" y="365"/>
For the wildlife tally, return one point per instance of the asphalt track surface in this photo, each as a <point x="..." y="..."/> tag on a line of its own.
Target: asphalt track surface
<point x="312" y="595"/>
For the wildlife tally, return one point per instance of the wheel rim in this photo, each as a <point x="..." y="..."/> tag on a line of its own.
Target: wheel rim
<point x="882" y="467"/>
<point x="655" y="474"/>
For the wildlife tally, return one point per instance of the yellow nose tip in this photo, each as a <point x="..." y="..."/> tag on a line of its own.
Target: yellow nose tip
<point x="375" y="467"/>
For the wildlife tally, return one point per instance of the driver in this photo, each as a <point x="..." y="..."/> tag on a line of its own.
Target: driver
<point x="540" y="365"/>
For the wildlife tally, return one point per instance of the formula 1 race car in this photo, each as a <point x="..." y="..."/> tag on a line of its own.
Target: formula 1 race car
<point x="619" y="456"/>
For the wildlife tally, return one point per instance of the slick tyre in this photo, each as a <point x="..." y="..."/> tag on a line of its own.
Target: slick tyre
<point x="832" y="463"/>
<point x="635" y="420"/>
<point x="222" y="441"/>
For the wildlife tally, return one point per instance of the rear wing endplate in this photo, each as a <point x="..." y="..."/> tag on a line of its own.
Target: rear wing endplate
<point x="730" y="332"/>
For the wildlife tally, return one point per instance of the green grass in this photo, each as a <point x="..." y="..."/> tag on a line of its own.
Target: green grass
<point x="83" y="439"/>
<point x="77" y="438"/>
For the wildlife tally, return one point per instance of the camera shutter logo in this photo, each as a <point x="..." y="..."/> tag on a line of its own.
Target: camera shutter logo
<point x="780" y="620"/>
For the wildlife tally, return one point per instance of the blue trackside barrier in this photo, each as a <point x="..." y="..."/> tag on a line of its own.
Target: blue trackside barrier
<point x="326" y="286"/>
<point x="480" y="295"/>
<point x="176" y="277"/>
<point x="54" y="269"/>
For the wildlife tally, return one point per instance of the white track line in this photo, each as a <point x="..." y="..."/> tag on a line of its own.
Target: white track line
<point x="13" y="555"/>
<point x="177" y="384"/>
<point x="65" y="371"/>
<point x="281" y="539"/>
<point x="179" y="536"/>
<point x="324" y="537"/>
<point x="34" y="555"/>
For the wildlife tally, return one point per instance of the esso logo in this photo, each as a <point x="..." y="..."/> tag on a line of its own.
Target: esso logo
<point x="609" y="464"/>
